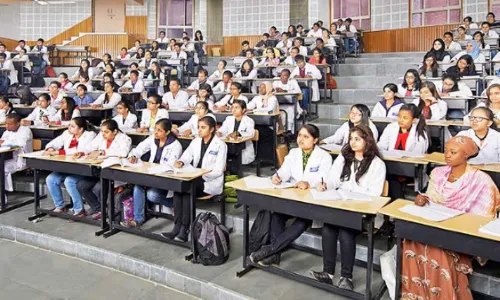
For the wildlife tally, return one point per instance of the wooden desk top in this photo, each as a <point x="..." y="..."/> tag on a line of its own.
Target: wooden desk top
<point x="9" y="150"/>
<point x="406" y="160"/>
<point x="146" y="165"/>
<point x="51" y="127"/>
<point x="63" y="158"/>
<point x="190" y="137"/>
<point x="438" y="158"/>
<point x="94" y="108"/>
<point x="367" y="207"/>
<point x="467" y="223"/>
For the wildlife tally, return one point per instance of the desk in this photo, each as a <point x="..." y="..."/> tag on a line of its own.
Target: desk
<point x="97" y="114"/>
<point x="130" y="97"/>
<point x="460" y="234"/>
<point x="299" y="203"/>
<point x="462" y="103"/>
<point x="81" y="52"/>
<point x="39" y="132"/>
<point x="23" y="110"/>
<point x="64" y="164"/>
<point x="181" y="183"/>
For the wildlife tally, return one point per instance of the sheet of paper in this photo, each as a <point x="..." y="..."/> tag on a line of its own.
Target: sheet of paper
<point x="126" y="163"/>
<point x="332" y="147"/>
<point x="111" y="161"/>
<point x="347" y="195"/>
<point x="187" y="169"/>
<point x="158" y="169"/>
<point x="329" y="195"/>
<point x="266" y="183"/>
<point x="492" y="228"/>
<point x="432" y="212"/>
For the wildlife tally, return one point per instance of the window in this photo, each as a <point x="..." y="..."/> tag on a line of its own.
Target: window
<point x="495" y="8"/>
<point x="175" y="16"/>
<point x="435" y="12"/>
<point x="357" y="10"/>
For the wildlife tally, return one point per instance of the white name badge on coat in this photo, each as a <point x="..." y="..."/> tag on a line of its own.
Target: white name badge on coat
<point x="313" y="169"/>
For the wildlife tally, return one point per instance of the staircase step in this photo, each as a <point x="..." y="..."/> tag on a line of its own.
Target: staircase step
<point x="365" y="82"/>
<point x="393" y="54"/>
<point x="389" y="60"/>
<point x="374" y="69"/>
<point x="353" y="96"/>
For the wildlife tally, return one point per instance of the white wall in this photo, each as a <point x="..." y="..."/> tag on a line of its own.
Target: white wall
<point x="9" y="14"/>
<point x="389" y="14"/>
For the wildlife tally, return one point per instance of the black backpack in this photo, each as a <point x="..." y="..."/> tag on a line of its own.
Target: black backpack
<point x="25" y="95"/>
<point x="37" y="81"/>
<point x="211" y="240"/>
<point x="260" y="232"/>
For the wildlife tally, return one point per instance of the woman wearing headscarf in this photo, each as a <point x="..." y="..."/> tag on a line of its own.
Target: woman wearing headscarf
<point x="438" y="50"/>
<point x="429" y="271"/>
<point x="473" y="50"/>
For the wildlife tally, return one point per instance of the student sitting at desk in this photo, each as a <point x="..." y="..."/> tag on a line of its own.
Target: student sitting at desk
<point x="430" y="67"/>
<point x="206" y="152"/>
<point x="156" y="74"/>
<point x="287" y="85"/>
<point x="299" y="44"/>
<point x="462" y="34"/>
<point x="123" y="54"/>
<point x="3" y="49"/>
<point x="328" y="40"/>
<point x="306" y="166"/>
<point x="265" y="101"/>
<point x="471" y="49"/>
<point x="155" y="46"/>
<point x="224" y="86"/>
<point x="23" y="57"/>
<point x="317" y="57"/>
<point x="429" y="102"/>
<point x="292" y="31"/>
<point x="84" y="69"/>
<point x="180" y="55"/>
<point x="484" y="133"/>
<point x="227" y="101"/>
<point x="175" y="98"/>
<point x="190" y="128"/>
<point x="285" y="43"/>
<point x="479" y="38"/>
<point x="68" y="111"/>
<point x="73" y="141"/>
<point x="152" y="114"/>
<point x="147" y="60"/>
<point x="109" y="142"/>
<point x="359" y="115"/>
<point x="82" y="98"/>
<point x="162" y="39"/>
<point x="140" y="54"/>
<point x="17" y="136"/>
<point x="290" y="59"/>
<point x="42" y="50"/>
<point x="309" y="71"/>
<point x="221" y="68"/>
<point x="135" y="84"/>
<point x="66" y="84"/>
<point x="492" y="102"/>
<point x="135" y="48"/>
<point x="270" y="58"/>
<point x="202" y="79"/>
<point x="11" y="77"/>
<point x="110" y="69"/>
<point x="438" y="50"/>
<point x="247" y="70"/>
<point x="109" y="99"/>
<point x="315" y="31"/>
<point x="320" y="44"/>
<point x="239" y="125"/>
<point x="21" y="45"/>
<point x="464" y="67"/>
<point x="468" y="24"/>
<point x="411" y="84"/>
<point x="106" y="59"/>
<point x="126" y="120"/>
<point x="164" y="148"/>
<point x="461" y="187"/>
<point x="171" y="45"/>
<point x="486" y="30"/>
<point x="56" y="94"/>
<point x="266" y="42"/>
<point x="204" y="94"/>
<point x="452" y="87"/>
<point x="6" y="108"/>
<point x="449" y="44"/>
<point x="300" y="30"/>
<point x="390" y="105"/>
<point x="41" y="114"/>
<point x="359" y="168"/>
<point x="251" y="56"/>
<point x="84" y="80"/>
<point x="245" y="45"/>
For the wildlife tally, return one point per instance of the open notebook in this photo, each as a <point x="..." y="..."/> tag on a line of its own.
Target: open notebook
<point x="166" y="168"/>
<point x="432" y="211"/>
<point x="266" y="183"/>
<point x="331" y="195"/>
<point x="116" y="161"/>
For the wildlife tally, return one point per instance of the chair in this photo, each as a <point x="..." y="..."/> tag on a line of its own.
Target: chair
<point x="385" y="191"/>
<point x="281" y="152"/>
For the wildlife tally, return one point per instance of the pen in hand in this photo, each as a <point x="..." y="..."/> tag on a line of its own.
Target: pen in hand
<point x="276" y="179"/>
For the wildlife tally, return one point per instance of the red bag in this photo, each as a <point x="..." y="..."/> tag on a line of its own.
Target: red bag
<point x="330" y="82"/>
<point x="50" y="71"/>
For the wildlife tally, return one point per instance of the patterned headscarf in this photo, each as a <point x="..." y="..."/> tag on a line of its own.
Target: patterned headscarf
<point x="465" y="144"/>
<point x="475" y="52"/>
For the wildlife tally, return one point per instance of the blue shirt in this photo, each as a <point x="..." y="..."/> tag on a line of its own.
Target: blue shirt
<point x="86" y="100"/>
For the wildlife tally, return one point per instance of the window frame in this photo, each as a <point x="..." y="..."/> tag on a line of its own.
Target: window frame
<point x="423" y="11"/>
<point x="166" y="27"/>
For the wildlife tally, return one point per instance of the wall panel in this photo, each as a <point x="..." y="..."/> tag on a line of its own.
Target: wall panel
<point x="137" y="26"/>
<point x="232" y="44"/>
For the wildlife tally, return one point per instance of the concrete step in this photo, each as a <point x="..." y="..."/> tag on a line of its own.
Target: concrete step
<point x="389" y="60"/>
<point x="393" y="54"/>
<point x="374" y="69"/>
<point x="365" y="82"/>
<point x="68" y="70"/>
<point x="352" y="96"/>
<point x="327" y="126"/>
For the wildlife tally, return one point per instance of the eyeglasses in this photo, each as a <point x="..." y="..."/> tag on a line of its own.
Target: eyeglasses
<point x="477" y="119"/>
<point x="152" y="103"/>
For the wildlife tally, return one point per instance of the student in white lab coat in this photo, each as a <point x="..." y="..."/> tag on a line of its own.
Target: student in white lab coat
<point x="487" y="31"/>
<point x="40" y="48"/>
<point x="451" y="86"/>
<point x="287" y="85"/>
<point x="306" y="70"/>
<point x="202" y="79"/>
<point x="315" y="31"/>
<point x="248" y="72"/>
<point x="492" y="102"/>
<point x="17" y="136"/>
<point x="224" y="103"/>
<point x="176" y="98"/>
<point x="140" y="54"/>
<point x="164" y="148"/>
<point x="66" y="84"/>
<point x="41" y="114"/>
<point x="127" y="121"/>
<point x="156" y="73"/>
<point x="190" y="128"/>
<point x="109" y="142"/>
<point x="359" y="169"/>
<point x="68" y="111"/>
<point x="152" y="114"/>
<point x="73" y="141"/>
<point x="162" y="39"/>
<point x="430" y="103"/>
<point x="84" y="80"/>
<point x="7" y="64"/>
<point x="123" y="54"/>
<point x="410" y="134"/>
<point x="135" y="84"/>
<point x="135" y="48"/>
<point x="221" y="69"/>
<point x="411" y="84"/>
<point x="265" y="101"/>
<point x="109" y="99"/>
<point x="290" y="59"/>
<point x="171" y="45"/>
<point x="106" y="60"/>
<point x="147" y="60"/>
<point x="56" y="94"/>
<point x="3" y="50"/>
<point x="299" y="44"/>
<point x="472" y="49"/>
<point x="390" y="105"/>
<point x="203" y="94"/>
<point x="22" y="56"/>
<point x="6" y="107"/>
<point x="84" y="69"/>
<point x="206" y="152"/>
<point x="237" y="126"/>
<point x="224" y="86"/>
<point x="285" y="43"/>
<point x="449" y="44"/>
<point x="484" y="133"/>
<point x="308" y="165"/>
<point x="359" y="115"/>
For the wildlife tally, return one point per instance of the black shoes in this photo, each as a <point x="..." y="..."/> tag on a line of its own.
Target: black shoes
<point x="183" y="234"/>
<point x="273" y="260"/>
<point x="323" y="277"/>
<point x="172" y="234"/>
<point x="260" y="254"/>
<point x="346" y="284"/>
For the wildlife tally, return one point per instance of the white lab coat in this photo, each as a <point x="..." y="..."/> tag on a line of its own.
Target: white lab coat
<point x="480" y="104"/>
<point x="180" y="100"/>
<point x="214" y="160"/>
<point x="246" y="129"/>
<point x="216" y="75"/>
<point x="137" y="88"/>
<point x="120" y="146"/>
<point x="380" y="112"/>
<point x="22" y="138"/>
<point x="146" y="118"/>
<point x="128" y="124"/>
<point x="489" y="151"/>
<point x="90" y="72"/>
<point x="36" y="116"/>
<point x="164" y="40"/>
<point x="63" y="141"/>
<point x="58" y="117"/>
<point x="9" y="65"/>
<point x="57" y="101"/>
<point x="3" y="114"/>
<point x="416" y="144"/>
<point x="402" y="91"/>
<point x="257" y="104"/>
<point x="316" y="34"/>
<point x="24" y="58"/>
<point x="26" y="47"/>
<point x="454" y="46"/>
<point x="341" y="136"/>
<point x="284" y="44"/>
<point x="195" y="85"/>
<point x="292" y="86"/>
<point x="463" y="89"/>
<point x="371" y="183"/>
<point x="142" y="63"/>
<point x="113" y="101"/>
<point x="195" y="99"/>
<point x="251" y="75"/>
<point x="44" y="52"/>
<point x="221" y="87"/>
<point x="171" y="153"/>
<point x="228" y="100"/>
<point x="490" y="34"/>
<point x="192" y="124"/>
<point x="317" y="167"/>
<point x="180" y="55"/>
<point x="302" y="51"/>
<point x="438" y="109"/>
<point x="313" y="71"/>
<point x="68" y="86"/>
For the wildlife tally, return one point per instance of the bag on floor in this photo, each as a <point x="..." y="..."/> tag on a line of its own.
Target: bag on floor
<point x="49" y="70"/>
<point x="331" y="83"/>
<point x="211" y="240"/>
<point x="229" y="192"/>
<point x="388" y="270"/>
<point x="37" y="81"/>
<point x="128" y="209"/>
<point x="259" y="234"/>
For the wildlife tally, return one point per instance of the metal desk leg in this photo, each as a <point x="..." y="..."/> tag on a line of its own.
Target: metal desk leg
<point x="369" y="261"/>
<point x="239" y="164"/>
<point x="419" y="176"/>
<point x="192" y="202"/>
<point x="2" y="181"/>
<point x="36" y="188"/>
<point x="111" y="210"/>
<point x="399" y="267"/>
<point x="441" y="147"/>
<point x="246" y="233"/>
<point x="275" y="143"/>
<point x="104" y="201"/>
